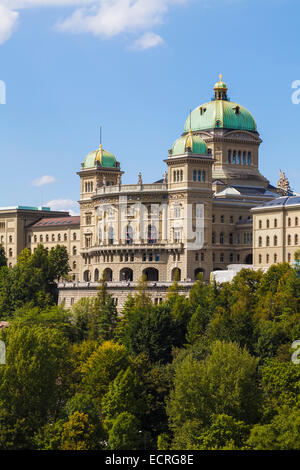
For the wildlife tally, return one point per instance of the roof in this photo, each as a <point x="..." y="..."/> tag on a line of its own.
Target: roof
<point x="281" y="202"/>
<point x="220" y="114"/>
<point x="101" y="157"/>
<point x="193" y="143"/>
<point x="25" y="208"/>
<point x="58" y="222"/>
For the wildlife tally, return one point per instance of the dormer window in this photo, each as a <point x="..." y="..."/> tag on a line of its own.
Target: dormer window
<point x="237" y="110"/>
<point x="202" y="110"/>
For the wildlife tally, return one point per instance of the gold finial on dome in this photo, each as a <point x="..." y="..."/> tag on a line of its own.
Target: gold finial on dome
<point x="189" y="141"/>
<point x="220" y="77"/>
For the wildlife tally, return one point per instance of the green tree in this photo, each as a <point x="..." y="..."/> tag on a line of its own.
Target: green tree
<point x="223" y="383"/>
<point x="3" y="259"/>
<point x="282" y="433"/>
<point x="79" y="434"/>
<point x="106" y="313"/>
<point x="59" y="262"/>
<point x="125" y="433"/>
<point x="102" y="367"/>
<point x="31" y="383"/>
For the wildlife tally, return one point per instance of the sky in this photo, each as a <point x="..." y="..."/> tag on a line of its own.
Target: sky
<point x="137" y="67"/>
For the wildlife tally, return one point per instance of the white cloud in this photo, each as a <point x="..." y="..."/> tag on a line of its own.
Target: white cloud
<point x="64" y="205"/>
<point x="8" y="23"/>
<point x="46" y="179"/>
<point x="103" y="18"/>
<point x="147" y="41"/>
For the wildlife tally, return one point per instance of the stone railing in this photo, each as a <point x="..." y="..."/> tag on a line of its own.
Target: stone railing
<point x="132" y="188"/>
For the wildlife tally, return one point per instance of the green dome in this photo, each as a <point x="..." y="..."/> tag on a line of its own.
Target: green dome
<point x="105" y="159"/>
<point x="194" y="142"/>
<point x="220" y="114"/>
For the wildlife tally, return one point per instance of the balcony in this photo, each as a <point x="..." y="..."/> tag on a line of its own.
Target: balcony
<point x="132" y="188"/>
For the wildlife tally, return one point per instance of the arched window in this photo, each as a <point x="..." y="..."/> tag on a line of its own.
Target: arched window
<point x="231" y="238"/>
<point x="203" y="176"/>
<point x="268" y="223"/>
<point x="234" y="157"/>
<point x="222" y="238"/>
<point x="289" y="222"/>
<point x="59" y="237"/>
<point x="289" y="240"/>
<point x="74" y="265"/>
<point x="41" y="238"/>
<point x="222" y="219"/>
<point x="126" y="274"/>
<point x="10" y="253"/>
<point x="296" y="239"/>
<point x="268" y="241"/>
<point x="194" y="175"/>
<point x="260" y="241"/>
<point x="275" y="258"/>
<point x="231" y="258"/>
<point x="260" y="259"/>
<point x="47" y="238"/>
<point x="74" y="236"/>
<point x="96" y="275"/>
<point x="74" y="251"/>
<point x="199" y="175"/>
<point x="244" y="158"/>
<point x="174" y="176"/>
<point x="10" y="239"/>
<point x="275" y="240"/>
<point x="53" y="237"/>
<point x="65" y="237"/>
<point x="239" y="157"/>
<point x="260" y="224"/>
<point x="181" y="175"/>
<point x="296" y="221"/>
<point x="275" y="223"/>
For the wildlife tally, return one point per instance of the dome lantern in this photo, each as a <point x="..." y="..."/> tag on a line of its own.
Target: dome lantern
<point x="220" y="90"/>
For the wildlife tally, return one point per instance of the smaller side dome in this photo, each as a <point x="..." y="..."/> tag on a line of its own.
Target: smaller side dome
<point x="101" y="157"/>
<point x="192" y="143"/>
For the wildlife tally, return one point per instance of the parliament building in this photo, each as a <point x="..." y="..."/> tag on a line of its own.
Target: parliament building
<point x="198" y="218"/>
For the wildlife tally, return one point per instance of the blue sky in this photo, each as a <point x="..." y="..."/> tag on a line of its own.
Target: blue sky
<point x="137" y="67"/>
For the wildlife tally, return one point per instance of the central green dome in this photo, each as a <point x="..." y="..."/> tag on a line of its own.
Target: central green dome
<point x="220" y="114"/>
<point x="101" y="156"/>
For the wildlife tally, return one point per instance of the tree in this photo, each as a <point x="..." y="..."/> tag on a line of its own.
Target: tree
<point x="223" y="383"/>
<point x="224" y="433"/>
<point x="151" y="331"/>
<point x="102" y="367"/>
<point x="125" y="433"/>
<point x="30" y="391"/>
<point x="282" y="433"/>
<point x="3" y="260"/>
<point x="59" y="262"/>
<point x="106" y="312"/>
<point x="125" y="393"/>
<point x="79" y="434"/>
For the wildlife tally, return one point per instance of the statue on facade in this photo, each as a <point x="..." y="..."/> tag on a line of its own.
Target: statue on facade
<point x="165" y="177"/>
<point x="140" y="181"/>
<point x="283" y="185"/>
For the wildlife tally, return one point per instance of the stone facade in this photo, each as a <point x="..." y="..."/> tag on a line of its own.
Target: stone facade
<point x="276" y="231"/>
